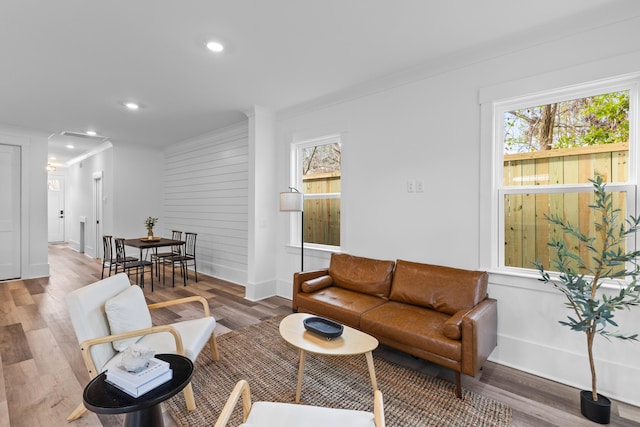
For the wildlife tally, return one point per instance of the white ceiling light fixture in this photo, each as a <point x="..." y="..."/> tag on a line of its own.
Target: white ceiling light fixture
<point x="87" y="134"/>
<point x="215" y="46"/>
<point x="132" y="105"/>
<point x="70" y="146"/>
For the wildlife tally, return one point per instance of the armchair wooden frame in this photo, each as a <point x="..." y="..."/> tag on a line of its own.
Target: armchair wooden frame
<point x="85" y="347"/>
<point x="242" y="390"/>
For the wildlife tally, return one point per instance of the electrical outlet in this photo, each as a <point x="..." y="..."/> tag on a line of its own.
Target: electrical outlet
<point x="411" y="186"/>
<point x="419" y="186"/>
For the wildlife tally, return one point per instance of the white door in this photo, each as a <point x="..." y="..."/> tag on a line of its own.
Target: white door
<point x="56" y="208"/>
<point x="9" y="212"/>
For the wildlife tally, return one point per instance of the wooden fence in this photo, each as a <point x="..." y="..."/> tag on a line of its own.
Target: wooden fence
<point x="526" y="231"/>
<point x="321" y="216"/>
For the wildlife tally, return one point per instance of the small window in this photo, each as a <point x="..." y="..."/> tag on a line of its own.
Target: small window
<point x="318" y="163"/>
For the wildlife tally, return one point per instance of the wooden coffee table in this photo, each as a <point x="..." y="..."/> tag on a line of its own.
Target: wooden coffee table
<point x="351" y="342"/>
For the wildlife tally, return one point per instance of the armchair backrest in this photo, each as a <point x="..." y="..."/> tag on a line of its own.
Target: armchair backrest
<point x="86" y="310"/>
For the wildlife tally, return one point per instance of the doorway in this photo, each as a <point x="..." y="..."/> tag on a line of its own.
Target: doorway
<point x="10" y="225"/>
<point x="56" y="209"/>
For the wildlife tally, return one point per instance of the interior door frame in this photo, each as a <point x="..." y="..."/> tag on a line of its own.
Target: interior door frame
<point x="17" y="220"/>
<point x="25" y="153"/>
<point x="62" y="179"/>
<point x="97" y="213"/>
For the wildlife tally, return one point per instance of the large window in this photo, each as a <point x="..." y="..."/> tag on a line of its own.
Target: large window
<point x="318" y="177"/>
<point x="549" y="147"/>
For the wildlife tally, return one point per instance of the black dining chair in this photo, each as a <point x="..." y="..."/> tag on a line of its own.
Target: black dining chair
<point x="189" y="256"/>
<point x="107" y="255"/>
<point x="129" y="263"/>
<point x="158" y="258"/>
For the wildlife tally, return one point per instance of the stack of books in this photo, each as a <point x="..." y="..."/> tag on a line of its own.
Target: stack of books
<point x="138" y="383"/>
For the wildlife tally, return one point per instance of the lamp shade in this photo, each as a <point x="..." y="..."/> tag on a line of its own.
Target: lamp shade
<point x="291" y="202"/>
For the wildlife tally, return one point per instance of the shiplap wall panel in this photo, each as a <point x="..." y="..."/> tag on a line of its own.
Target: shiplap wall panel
<point x="206" y="192"/>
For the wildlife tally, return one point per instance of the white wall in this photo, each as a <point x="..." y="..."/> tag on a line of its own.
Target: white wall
<point x="138" y="174"/>
<point x="430" y="129"/>
<point x="79" y="201"/>
<point x="33" y="216"/>
<point x="263" y="194"/>
<point x="206" y="192"/>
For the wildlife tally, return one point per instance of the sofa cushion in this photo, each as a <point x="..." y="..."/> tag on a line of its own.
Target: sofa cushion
<point x="127" y="312"/>
<point x="364" y="275"/>
<point x="412" y="326"/>
<point x="452" y="328"/>
<point x="341" y="305"/>
<point x="316" y="284"/>
<point x="444" y="289"/>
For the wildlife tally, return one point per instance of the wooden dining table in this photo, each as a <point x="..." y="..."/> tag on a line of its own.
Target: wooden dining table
<point x="143" y="243"/>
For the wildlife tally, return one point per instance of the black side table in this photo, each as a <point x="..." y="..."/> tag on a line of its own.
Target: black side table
<point x="146" y="410"/>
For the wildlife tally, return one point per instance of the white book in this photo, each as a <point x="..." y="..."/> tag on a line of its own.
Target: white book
<point x="146" y="387"/>
<point x="121" y="376"/>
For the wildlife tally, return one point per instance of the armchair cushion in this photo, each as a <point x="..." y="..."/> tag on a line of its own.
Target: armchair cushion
<point x="127" y="312"/>
<point x="275" y="414"/>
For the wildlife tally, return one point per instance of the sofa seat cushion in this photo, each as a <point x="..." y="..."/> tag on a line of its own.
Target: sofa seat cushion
<point x="444" y="289"/>
<point x="341" y="305"/>
<point x="412" y="326"/>
<point x="364" y="275"/>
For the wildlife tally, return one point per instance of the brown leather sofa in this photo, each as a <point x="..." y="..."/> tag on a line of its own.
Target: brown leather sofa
<point x="436" y="313"/>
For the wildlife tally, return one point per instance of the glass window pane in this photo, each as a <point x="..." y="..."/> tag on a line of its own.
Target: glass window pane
<point x="527" y="232"/>
<point x="568" y="142"/>
<point x="322" y="221"/>
<point x="320" y="176"/>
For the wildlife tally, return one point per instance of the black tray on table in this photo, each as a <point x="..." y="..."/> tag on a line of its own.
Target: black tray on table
<point x="323" y="327"/>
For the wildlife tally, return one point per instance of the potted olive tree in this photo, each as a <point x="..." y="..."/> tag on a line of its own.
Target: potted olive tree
<point x="593" y="310"/>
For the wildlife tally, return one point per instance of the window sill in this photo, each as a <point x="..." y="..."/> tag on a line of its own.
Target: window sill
<point x="531" y="280"/>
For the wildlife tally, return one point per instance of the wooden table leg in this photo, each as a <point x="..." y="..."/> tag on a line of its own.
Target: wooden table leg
<point x="372" y="371"/>
<point x="302" y="355"/>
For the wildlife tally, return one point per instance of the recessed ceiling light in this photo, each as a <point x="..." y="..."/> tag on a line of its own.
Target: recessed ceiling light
<point x="91" y="133"/>
<point x="215" y="46"/>
<point x="131" y="105"/>
<point x="70" y="146"/>
<point x="52" y="158"/>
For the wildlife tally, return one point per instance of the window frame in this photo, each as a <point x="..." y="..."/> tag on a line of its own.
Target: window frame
<point x="499" y="191"/>
<point x="297" y="182"/>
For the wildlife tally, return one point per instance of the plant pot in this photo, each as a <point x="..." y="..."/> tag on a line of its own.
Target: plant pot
<point x="597" y="411"/>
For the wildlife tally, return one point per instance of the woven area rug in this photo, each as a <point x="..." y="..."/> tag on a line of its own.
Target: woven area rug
<point x="259" y="355"/>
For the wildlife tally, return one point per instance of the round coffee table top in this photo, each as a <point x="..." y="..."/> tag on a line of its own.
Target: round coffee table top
<point x="352" y="341"/>
<point x="101" y="397"/>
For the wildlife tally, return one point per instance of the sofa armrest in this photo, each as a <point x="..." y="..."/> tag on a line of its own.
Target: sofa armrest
<point x="300" y="277"/>
<point x="479" y="335"/>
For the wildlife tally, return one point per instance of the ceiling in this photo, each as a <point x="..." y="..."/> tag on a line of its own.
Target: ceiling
<point x="69" y="65"/>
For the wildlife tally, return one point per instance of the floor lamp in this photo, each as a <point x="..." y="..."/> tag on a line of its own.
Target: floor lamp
<point x="293" y="201"/>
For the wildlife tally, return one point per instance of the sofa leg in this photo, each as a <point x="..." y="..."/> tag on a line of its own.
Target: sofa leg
<point x="458" y="385"/>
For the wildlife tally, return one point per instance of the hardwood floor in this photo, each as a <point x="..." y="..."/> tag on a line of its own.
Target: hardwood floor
<point x="43" y="375"/>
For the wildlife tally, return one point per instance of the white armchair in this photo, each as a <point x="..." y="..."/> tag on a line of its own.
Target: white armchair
<point x="110" y="314"/>
<point x="276" y="414"/>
